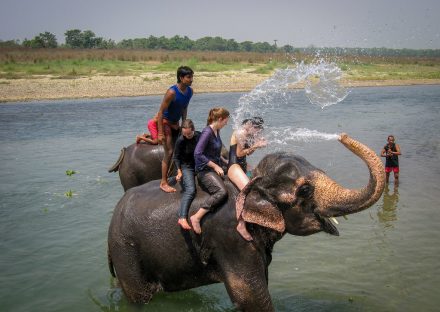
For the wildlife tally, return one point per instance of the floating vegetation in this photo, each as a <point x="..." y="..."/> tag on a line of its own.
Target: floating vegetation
<point x="69" y="194"/>
<point x="70" y="172"/>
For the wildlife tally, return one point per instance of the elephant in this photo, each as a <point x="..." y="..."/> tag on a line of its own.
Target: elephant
<point x="148" y="252"/>
<point x="141" y="163"/>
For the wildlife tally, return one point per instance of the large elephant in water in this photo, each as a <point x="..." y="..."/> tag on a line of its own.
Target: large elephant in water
<point x="141" y="163"/>
<point x="149" y="252"/>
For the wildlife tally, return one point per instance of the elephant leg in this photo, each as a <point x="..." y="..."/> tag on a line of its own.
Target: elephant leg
<point x="247" y="288"/>
<point x="130" y="275"/>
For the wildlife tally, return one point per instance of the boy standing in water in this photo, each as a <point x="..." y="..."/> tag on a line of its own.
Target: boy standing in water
<point x="173" y="108"/>
<point x="391" y="151"/>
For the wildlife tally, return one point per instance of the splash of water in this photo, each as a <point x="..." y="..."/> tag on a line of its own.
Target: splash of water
<point x="321" y="82"/>
<point x="283" y="135"/>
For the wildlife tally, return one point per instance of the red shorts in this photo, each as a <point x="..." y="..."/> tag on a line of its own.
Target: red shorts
<point x="152" y="127"/>
<point x="393" y="169"/>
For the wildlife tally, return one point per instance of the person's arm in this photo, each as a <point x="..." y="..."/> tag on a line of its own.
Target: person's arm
<point x="199" y="155"/>
<point x="167" y="99"/>
<point x="241" y="151"/>
<point x="383" y="153"/>
<point x="199" y="151"/>
<point x="184" y="114"/>
<point x="397" y="152"/>
<point x="176" y="157"/>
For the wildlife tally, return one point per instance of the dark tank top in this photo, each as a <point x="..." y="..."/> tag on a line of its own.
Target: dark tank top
<point x="391" y="161"/>
<point x="234" y="159"/>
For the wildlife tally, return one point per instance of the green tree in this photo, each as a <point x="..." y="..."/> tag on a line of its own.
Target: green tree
<point x="49" y="40"/>
<point x="74" y="38"/>
<point x="43" y="40"/>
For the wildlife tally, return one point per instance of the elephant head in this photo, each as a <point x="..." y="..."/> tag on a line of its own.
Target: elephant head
<point x="290" y="195"/>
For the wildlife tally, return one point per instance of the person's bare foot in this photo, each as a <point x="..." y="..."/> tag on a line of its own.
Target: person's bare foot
<point x="241" y="228"/>
<point x="184" y="224"/>
<point x="166" y="188"/>
<point x="196" y="224"/>
<point x="138" y="139"/>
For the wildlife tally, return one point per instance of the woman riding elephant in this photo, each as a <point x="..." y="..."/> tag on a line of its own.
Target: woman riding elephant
<point x="207" y="156"/>
<point x="148" y="253"/>
<point x="244" y="142"/>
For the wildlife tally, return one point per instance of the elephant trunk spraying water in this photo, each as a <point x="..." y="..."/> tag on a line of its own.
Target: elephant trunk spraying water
<point x="149" y="253"/>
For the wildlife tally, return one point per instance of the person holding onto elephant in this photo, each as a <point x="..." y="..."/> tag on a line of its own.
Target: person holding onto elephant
<point x="152" y="137"/>
<point x="184" y="160"/>
<point x="207" y="156"/>
<point x="244" y="142"/>
<point x="174" y="107"/>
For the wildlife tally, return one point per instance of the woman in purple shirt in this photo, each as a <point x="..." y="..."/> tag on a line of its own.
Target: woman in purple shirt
<point x="207" y="156"/>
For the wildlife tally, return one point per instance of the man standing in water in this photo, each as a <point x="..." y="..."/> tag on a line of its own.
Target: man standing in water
<point x="173" y="108"/>
<point x="391" y="151"/>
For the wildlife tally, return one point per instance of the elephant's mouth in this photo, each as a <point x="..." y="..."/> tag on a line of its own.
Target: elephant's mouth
<point x="327" y="225"/>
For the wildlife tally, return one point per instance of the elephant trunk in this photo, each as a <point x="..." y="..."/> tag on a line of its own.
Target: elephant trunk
<point x="333" y="200"/>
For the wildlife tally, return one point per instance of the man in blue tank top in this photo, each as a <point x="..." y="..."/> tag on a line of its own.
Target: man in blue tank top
<point x="173" y="108"/>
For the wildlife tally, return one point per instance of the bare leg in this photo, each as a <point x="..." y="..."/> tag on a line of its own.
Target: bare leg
<point x="168" y="149"/>
<point x="387" y="177"/>
<point x="195" y="219"/>
<point x="240" y="179"/>
<point x="396" y="178"/>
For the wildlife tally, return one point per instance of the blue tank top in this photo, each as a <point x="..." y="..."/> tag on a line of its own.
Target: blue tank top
<point x="180" y="103"/>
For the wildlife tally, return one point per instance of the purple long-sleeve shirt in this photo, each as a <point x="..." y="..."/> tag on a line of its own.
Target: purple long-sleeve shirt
<point x="208" y="148"/>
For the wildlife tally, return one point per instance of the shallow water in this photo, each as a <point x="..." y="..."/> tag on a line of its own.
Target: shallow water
<point x="53" y="248"/>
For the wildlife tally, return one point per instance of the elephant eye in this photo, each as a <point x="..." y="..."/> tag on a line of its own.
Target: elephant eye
<point x="305" y="191"/>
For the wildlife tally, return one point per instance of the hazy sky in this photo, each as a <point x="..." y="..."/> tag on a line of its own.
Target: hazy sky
<point x="343" y="23"/>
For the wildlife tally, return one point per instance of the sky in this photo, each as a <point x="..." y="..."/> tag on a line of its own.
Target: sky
<point x="321" y="23"/>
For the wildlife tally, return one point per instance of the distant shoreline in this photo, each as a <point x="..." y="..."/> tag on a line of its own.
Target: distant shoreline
<point x="50" y="88"/>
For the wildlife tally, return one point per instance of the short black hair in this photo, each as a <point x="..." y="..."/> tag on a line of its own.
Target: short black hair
<point x="182" y="71"/>
<point x="256" y="122"/>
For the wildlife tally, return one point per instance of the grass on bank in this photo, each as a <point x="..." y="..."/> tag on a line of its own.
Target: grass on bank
<point x="71" y="64"/>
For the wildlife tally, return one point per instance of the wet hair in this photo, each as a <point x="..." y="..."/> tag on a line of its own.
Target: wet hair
<point x="188" y="124"/>
<point x="216" y="113"/>
<point x="182" y="71"/>
<point x="391" y="136"/>
<point x="256" y="122"/>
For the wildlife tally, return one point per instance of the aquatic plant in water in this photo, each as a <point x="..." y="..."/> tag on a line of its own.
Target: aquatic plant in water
<point x="70" y="172"/>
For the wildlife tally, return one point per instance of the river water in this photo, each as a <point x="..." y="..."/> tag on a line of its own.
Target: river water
<point x="53" y="247"/>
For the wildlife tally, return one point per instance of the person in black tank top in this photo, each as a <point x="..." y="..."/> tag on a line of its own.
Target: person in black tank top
<point x="244" y="142"/>
<point x="391" y="152"/>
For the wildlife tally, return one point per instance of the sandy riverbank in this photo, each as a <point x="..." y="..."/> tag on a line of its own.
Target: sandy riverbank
<point x="45" y="87"/>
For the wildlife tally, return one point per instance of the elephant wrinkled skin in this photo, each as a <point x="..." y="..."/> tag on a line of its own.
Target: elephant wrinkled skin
<point x="149" y="252"/>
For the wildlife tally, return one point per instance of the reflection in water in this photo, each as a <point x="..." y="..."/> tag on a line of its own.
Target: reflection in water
<point x="387" y="212"/>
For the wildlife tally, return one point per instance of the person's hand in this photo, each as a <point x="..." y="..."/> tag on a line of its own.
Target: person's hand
<point x="160" y="139"/>
<point x="179" y="175"/>
<point x="219" y="170"/>
<point x="260" y="143"/>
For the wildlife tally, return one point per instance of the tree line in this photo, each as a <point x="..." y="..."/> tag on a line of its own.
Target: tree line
<point x="78" y="39"/>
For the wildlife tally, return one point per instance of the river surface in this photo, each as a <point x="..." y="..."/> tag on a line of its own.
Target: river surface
<point x="53" y="246"/>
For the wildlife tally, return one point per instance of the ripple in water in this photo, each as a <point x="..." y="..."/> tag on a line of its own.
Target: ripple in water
<point x="321" y="82"/>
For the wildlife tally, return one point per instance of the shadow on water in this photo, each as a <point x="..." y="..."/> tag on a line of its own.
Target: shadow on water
<point x="387" y="212"/>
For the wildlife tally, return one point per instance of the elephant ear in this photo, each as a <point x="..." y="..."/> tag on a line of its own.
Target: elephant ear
<point x="254" y="208"/>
